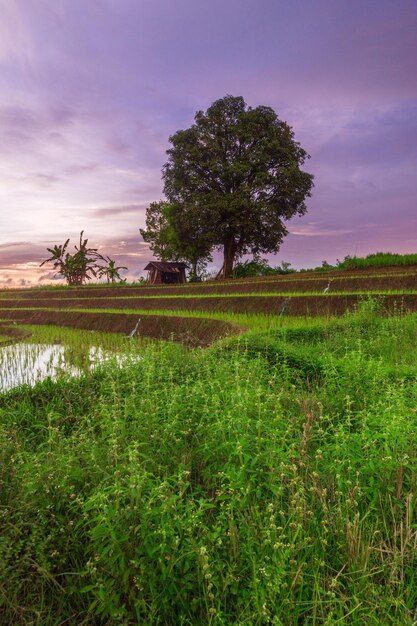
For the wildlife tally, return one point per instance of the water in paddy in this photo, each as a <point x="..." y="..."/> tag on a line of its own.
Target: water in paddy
<point x="29" y="363"/>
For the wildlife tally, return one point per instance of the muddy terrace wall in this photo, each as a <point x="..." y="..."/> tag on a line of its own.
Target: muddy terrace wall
<point x="240" y="296"/>
<point x="386" y="279"/>
<point x="12" y="332"/>
<point x="189" y="331"/>
<point x="295" y="305"/>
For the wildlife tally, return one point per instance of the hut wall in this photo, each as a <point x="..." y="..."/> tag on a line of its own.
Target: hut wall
<point x="155" y="277"/>
<point x="159" y="277"/>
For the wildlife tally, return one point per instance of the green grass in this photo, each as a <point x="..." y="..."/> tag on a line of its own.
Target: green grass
<point x="251" y="294"/>
<point x="249" y="320"/>
<point x="296" y="277"/>
<point x="270" y="479"/>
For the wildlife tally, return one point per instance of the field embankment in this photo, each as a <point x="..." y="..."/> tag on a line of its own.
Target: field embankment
<point x="306" y="304"/>
<point x="189" y="331"/>
<point x="385" y="279"/>
<point x="9" y="334"/>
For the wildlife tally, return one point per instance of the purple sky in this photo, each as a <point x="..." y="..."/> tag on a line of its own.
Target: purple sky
<point x="90" y="91"/>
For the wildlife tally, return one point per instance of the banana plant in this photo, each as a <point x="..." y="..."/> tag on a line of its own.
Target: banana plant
<point x="84" y="264"/>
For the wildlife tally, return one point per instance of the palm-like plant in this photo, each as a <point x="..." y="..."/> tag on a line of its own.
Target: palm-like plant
<point x="111" y="271"/>
<point x="57" y="256"/>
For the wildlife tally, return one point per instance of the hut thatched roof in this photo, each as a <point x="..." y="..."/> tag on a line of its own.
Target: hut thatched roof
<point x="162" y="266"/>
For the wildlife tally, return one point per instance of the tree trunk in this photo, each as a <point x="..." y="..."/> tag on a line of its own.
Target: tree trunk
<point x="220" y="273"/>
<point x="229" y="253"/>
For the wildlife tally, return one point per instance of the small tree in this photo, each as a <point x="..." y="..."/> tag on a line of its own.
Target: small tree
<point x="172" y="237"/>
<point x="158" y="232"/>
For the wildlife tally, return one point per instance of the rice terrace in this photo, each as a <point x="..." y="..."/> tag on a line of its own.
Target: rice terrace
<point x="208" y="313"/>
<point x="246" y="456"/>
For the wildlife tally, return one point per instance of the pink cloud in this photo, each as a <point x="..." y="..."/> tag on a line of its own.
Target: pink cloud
<point x="85" y="119"/>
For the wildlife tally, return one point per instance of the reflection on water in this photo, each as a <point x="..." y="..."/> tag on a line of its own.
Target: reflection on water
<point x="28" y="363"/>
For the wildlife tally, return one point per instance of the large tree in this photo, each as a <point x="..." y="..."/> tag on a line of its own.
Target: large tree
<point x="236" y="176"/>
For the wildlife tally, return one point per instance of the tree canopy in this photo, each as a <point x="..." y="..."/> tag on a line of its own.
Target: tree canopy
<point x="236" y="176"/>
<point x="231" y="181"/>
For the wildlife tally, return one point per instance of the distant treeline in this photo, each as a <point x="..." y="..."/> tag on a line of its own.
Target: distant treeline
<point x="379" y="259"/>
<point x="260" y="267"/>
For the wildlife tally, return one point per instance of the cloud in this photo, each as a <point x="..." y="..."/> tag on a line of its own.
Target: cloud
<point x="119" y="210"/>
<point x="18" y="117"/>
<point x="120" y="146"/>
<point x="91" y="91"/>
<point x="50" y="277"/>
<point x="85" y="168"/>
<point x="18" y="254"/>
<point x="314" y="230"/>
<point x="43" y="179"/>
<point x="14" y="244"/>
<point x="6" y="280"/>
<point x="35" y="120"/>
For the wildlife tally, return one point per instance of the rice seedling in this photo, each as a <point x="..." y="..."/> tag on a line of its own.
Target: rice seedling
<point x="52" y="353"/>
<point x="208" y="296"/>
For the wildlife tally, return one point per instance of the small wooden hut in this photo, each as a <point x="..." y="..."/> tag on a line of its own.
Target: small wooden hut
<point x="162" y="273"/>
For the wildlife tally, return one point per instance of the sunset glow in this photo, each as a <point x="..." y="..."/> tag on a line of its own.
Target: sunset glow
<point x="91" y="90"/>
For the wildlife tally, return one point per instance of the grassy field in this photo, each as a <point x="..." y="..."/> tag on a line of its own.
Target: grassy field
<point x="269" y="478"/>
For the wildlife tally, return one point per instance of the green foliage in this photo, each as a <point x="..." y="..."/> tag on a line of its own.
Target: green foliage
<point x="255" y="267"/>
<point x="172" y="238"/>
<point x="236" y="177"/>
<point x="300" y="361"/>
<point x="260" y="267"/>
<point x="190" y="239"/>
<point x="84" y="264"/>
<point x="158" y="232"/>
<point x="379" y="259"/>
<point x="111" y="271"/>
<point x="226" y="486"/>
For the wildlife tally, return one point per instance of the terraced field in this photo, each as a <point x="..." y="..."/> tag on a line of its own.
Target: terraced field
<point x="206" y="311"/>
<point x="259" y="470"/>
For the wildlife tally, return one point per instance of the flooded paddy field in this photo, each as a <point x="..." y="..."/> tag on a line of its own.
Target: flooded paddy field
<point x="28" y="356"/>
<point x="29" y="363"/>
